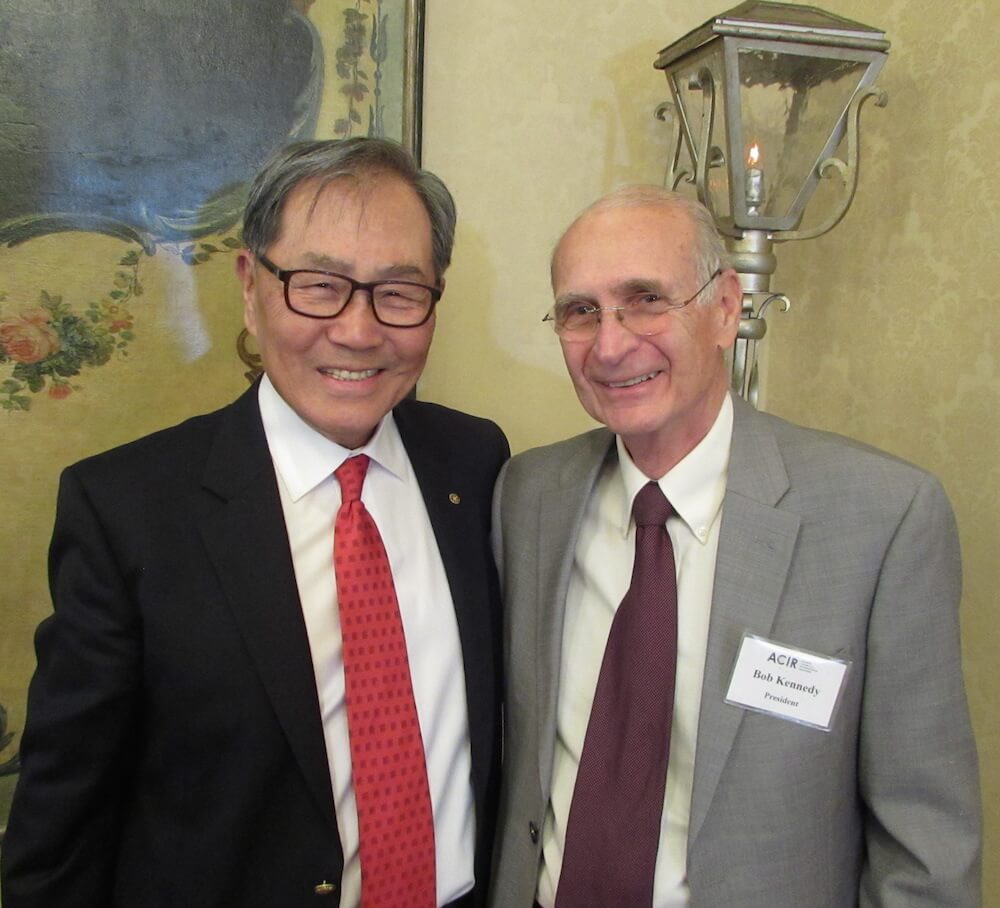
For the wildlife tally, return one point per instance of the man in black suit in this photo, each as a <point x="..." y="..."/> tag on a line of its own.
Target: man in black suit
<point x="187" y="741"/>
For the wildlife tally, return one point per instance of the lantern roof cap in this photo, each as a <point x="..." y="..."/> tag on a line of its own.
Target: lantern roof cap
<point x="762" y="19"/>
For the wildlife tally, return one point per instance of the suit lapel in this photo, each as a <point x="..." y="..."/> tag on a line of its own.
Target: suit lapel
<point x="560" y="513"/>
<point x="455" y="516"/>
<point x="243" y="529"/>
<point x="756" y="543"/>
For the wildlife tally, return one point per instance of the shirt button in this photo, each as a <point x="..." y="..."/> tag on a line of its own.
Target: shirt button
<point x="533" y="833"/>
<point x="325" y="888"/>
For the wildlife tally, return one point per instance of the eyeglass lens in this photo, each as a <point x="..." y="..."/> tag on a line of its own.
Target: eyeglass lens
<point x="642" y="314"/>
<point x="324" y="295"/>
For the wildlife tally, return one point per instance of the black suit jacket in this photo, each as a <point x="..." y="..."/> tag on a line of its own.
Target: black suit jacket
<point x="173" y="753"/>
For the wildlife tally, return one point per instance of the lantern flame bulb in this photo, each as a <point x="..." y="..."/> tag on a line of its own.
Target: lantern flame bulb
<point x="754" y="187"/>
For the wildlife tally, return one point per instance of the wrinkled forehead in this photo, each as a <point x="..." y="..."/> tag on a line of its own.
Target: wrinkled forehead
<point x="625" y="242"/>
<point x="360" y="228"/>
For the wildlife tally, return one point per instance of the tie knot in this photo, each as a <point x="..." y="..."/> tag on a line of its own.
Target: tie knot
<point x="351" y="476"/>
<point x="651" y="507"/>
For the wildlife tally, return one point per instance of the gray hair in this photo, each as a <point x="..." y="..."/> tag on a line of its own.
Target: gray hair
<point x="330" y="160"/>
<point x="710" y="250"/>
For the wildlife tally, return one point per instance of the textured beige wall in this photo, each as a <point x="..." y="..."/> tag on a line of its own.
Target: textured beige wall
<point x="534" y="109"/>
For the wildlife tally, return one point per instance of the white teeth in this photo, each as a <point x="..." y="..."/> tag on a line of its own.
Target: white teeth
<point x="348" y="375"/>
<point x="631" y="381"/>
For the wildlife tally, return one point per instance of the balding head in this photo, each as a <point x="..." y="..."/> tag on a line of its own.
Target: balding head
<point x="709" y="250"/>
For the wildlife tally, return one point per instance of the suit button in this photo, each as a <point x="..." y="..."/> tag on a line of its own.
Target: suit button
<point x="533" y="833"/>
<point x="325" y="888"/>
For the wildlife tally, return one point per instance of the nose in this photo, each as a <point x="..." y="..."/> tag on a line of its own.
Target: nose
<point x="613" y="339"/>
<point x="356" y="326"/>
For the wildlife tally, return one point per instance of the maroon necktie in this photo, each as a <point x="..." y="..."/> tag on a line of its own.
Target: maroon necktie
<point x="395" y="819"/>
<point x="614" y="820"/>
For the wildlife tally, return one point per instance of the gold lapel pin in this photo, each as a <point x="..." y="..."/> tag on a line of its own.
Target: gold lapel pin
<point x="454" y="497"/>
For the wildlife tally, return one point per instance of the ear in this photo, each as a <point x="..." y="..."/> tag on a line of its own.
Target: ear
<point x="246" y="275"/>
<point x="730" y="307"/>
<point x="434" y="314"/>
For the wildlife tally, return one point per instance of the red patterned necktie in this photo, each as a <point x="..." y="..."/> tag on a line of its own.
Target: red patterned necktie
<point x="614" y="820"/>
<point x="395" y="819"/>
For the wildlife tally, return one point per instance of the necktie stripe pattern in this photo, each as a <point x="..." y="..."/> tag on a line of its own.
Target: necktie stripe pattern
<point x="614" y="822"/>
<point x="395" y="818"/>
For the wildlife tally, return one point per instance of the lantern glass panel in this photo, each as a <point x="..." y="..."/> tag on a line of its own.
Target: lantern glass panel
<point x="695" y="85"/>
<point x="791" y="104"/>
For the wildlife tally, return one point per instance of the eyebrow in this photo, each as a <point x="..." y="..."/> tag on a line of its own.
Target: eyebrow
<point x="568" y="299"/>
<point x="635" y="285"/>
<point x="621" y="290"/>
<point x="401" y="271"/>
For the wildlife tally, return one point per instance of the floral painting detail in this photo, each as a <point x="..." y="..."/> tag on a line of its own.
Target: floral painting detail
<point x="47" y="345"/>
<point x="199" y="253"/>
<point x="356" y="84"/>
<point x="355" y="79"/>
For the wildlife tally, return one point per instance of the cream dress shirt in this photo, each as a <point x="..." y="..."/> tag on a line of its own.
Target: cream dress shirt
<point x="304" y="461"/>
<point x="599" y="579"/>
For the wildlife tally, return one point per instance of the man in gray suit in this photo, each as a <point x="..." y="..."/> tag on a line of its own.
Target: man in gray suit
<point x="817" y="747"/>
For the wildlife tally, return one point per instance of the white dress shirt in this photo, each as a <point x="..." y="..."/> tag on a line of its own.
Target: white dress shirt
<point x="600" y="577"/>
<point x="304" y="461"/>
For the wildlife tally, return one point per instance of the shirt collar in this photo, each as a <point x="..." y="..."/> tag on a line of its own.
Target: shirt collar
<point x="695" y="486"/>
<point x="304" y="458"/>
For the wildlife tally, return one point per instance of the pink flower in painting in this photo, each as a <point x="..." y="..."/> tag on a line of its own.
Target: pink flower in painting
<point x="60" y="391"/>
<point x="28" y="337"/>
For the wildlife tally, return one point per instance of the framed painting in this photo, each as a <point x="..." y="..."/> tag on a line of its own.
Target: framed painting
<point x="131" y="130"/>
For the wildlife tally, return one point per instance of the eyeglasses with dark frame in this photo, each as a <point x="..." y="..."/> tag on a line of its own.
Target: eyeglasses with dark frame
<point x="325" y="294"/>
<point x="575" y="320"/>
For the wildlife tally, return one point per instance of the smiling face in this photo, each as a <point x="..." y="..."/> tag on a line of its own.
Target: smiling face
<point x="342" y="375"/>
<point x="660" y="393"/>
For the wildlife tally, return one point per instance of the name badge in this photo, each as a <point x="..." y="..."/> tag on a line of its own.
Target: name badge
<point x="792" y="684"/>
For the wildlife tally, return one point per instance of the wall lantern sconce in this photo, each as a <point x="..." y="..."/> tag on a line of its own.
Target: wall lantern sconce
<point x="762" y="98"/>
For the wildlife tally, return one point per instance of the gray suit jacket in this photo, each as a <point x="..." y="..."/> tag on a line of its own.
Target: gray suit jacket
<point x="825" y="545"/>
